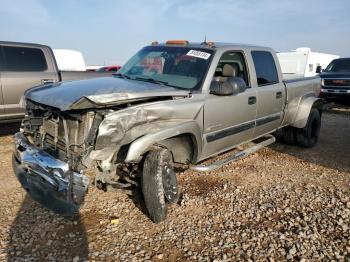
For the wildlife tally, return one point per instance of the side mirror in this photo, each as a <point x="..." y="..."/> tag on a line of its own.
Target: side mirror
<point x="232" y="86"/>
<point x="318" y="69"/>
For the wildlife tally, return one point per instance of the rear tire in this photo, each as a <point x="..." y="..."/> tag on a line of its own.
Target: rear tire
<point x="308" y="136"/>
<point x="289" y="135"/>
<point x="159" y="184"/>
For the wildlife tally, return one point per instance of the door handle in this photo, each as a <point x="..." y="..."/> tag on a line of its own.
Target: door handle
<point x="279" y="95"/>
<point x="47" y="81"/>
<point x="251" y="100"/>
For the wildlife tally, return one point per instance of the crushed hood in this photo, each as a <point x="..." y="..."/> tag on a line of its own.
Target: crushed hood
<point x="98" y="92"/>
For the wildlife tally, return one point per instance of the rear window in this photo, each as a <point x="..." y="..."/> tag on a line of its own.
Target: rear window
<point x="265" y="68"/>
<point x="24" y="59"/>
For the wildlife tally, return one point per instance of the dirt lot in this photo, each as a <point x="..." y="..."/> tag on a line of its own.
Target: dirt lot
<point x="282" y="202"/>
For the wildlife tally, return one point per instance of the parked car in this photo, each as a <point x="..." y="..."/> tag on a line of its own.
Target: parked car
<point x="207" y="98"/>
<point x="303" y="62"/>
<point x="92" y="67"/>
<point x="336" y="79"/>
<point x="24" y="65"/>
<point x="108" y="69"/>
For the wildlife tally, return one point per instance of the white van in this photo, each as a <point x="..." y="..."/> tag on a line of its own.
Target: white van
<point x="69" y="60"/>
<point x="303" y="62"/>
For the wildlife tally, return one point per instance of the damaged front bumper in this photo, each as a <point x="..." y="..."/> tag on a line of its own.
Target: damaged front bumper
<point x="48" y="180"/>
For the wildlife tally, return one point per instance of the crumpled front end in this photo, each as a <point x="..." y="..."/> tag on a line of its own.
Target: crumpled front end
<point x="55" y="147"/>
<point x="48" y="180"/>
<point x="48" y="154"/>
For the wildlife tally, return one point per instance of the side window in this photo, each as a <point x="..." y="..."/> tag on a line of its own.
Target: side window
<point x="265" y="68"/>
<point x="24" y="59"/>
<point x="2" y="61"/>
<point x="237" y="62"/>
<point x="311" y="67"/>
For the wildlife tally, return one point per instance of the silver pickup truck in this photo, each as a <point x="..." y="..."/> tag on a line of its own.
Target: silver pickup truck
<point x="171" y="104"/>
<point x="24" y="65"/>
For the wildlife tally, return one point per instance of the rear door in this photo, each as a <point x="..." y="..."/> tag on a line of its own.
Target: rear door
<point x="271" y="93"/>
<point x="25" y="67"/>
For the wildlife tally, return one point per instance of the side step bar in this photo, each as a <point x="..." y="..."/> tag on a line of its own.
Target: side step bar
<point x="202" y="168"/>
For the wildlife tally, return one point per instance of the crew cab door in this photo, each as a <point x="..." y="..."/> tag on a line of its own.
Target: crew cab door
<point x="271" y="93"/>
<point x="25" y="67"/>
<point x="229" y="120"/>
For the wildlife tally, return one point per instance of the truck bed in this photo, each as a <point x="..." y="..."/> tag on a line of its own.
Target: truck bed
<point x="297" y="89"/>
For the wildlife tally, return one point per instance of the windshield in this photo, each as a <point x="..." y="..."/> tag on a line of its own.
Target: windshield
<point x="339" y="65"/>
<point x="180" y="67"/>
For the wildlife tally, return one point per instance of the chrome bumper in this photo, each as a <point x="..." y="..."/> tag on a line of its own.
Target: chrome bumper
<point x="334" y="91"/>
<point x="48" y="180"/>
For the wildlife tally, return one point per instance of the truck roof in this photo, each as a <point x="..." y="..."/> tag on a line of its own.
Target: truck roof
<point x="214" y="45"/>
<point x="343" y="58"/>
<point x="21" y="43"/>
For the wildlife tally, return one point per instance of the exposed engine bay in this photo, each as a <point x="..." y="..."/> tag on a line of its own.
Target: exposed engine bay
<point x="66" y="136"/>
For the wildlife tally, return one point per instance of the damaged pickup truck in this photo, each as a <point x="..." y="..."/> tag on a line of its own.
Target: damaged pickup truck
<point x="171" y="104"/>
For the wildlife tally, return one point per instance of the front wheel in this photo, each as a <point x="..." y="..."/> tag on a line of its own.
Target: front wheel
<point x="159" y="184"/>
<point x="308" y="136"/>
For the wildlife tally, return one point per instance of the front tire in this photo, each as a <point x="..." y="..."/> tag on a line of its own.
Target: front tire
<point x="159" y="184"/>
<point x="308" y="136"/>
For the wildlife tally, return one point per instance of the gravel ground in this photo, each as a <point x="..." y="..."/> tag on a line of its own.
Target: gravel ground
<point x="281" y="203"/>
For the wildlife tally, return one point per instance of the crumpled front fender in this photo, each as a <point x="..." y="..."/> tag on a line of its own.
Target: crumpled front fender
<point x="175" y="128"/>
<point x="126" y="126"/>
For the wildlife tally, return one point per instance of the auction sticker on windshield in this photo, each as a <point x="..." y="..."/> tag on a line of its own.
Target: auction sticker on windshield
<point x="199" y="54"/>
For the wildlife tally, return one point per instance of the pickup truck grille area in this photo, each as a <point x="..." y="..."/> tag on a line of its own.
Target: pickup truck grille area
<point x="66" y="136"/>
<point x="53" y="136"/>
<point x="337" y="83"/>
<point x="61" y="135"/>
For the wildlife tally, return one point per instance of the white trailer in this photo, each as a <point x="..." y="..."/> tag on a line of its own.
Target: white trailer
<point x="303" y="62"/>
<point x="69" y="60"/>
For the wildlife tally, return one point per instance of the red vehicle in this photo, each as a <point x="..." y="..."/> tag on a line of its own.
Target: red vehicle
<point x="108" y="68"/>
<point x="152" y="64"/>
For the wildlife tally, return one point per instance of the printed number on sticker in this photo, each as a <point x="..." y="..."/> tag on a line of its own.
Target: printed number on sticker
<point x="198" y="54"/>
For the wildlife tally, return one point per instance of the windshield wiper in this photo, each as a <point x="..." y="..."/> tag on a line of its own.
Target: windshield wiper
<point x="159" y="82"/>
<point x="120" y="75"/>
<point x="152" y="80"/>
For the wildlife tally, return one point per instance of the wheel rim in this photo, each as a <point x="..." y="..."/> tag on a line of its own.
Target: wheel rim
<point x="170" y="184"/>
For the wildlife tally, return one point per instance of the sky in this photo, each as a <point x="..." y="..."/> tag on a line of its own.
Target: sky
<point x="111" y="31"/>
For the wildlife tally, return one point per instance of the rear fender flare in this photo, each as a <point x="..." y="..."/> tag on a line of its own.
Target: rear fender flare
<point x="304" y="109"/>
<point x="142" y="145"/>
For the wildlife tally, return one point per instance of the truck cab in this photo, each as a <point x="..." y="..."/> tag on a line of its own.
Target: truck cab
<point x="262" y="100"/>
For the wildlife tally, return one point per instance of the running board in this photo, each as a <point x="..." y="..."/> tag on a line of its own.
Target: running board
<point x="202" y="168"/>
